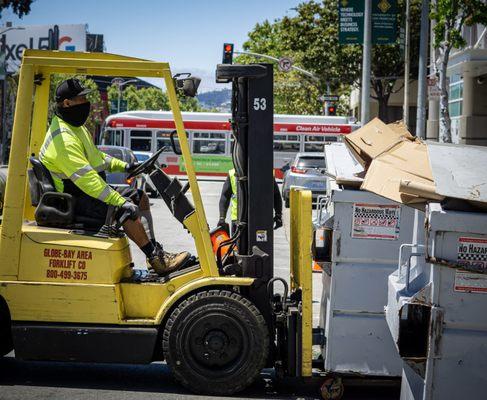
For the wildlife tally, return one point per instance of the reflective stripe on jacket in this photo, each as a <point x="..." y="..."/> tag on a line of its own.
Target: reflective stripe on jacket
<point x="68" y="152"/>
<point x="234" y="204"/>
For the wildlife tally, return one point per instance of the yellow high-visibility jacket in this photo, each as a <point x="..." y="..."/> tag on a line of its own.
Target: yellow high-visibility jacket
<point x="68" y="152"/>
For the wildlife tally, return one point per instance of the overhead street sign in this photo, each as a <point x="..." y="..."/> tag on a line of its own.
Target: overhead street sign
<point x="351" y="21"/>
<point x="384" y="21"/>
<point x="285" y="64"/>
<point x="329" y="97"/>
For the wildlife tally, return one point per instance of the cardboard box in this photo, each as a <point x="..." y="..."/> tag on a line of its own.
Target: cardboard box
<point x="406" y="164"/>
<point x="375" y="138"/>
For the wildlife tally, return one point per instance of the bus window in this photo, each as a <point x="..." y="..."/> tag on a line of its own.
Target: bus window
<point x="289" y="143"/>
<point x="117" y="138"/>
<point x="209" y="143"/>
<point x="163" y="140"/>
<point x="140" y="140"/>
<point x="314" y="143"/>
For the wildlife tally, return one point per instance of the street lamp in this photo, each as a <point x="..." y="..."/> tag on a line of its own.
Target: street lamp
<point x="120" y="82"/>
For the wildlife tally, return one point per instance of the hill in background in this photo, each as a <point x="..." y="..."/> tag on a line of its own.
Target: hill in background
<point x="218" y="100"/>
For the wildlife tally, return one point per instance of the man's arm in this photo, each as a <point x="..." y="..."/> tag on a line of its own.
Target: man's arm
<point x="73" y="163"/>
<point x="225" y="197"/>
<point x="111" y="164"/>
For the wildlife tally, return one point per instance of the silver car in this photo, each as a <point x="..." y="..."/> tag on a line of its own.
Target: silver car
<point x="307" y="171"/>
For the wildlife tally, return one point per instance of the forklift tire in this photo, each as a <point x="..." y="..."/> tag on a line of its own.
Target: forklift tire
<point x="6" y="344"/>
<point x="216" y="342"/>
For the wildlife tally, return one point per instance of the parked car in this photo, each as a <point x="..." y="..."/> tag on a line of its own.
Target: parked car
<point x="148" y="187"/>
<point x="307" y="171"/>
<point x="119" y="179"/>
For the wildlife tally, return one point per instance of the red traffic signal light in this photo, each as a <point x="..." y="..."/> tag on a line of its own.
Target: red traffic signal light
<point x="332" y="110"/>
<point x="227" y="53"/>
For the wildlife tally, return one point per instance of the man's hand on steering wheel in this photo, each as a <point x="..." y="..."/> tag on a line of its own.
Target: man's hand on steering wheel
<point x="131" y="167"/>
<point x="147" y="166"/>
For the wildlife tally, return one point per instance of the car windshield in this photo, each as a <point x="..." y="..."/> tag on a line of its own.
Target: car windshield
<point x="311" y="162"/>
<point x="141" y="157"/>
<point x="117" y="153"/>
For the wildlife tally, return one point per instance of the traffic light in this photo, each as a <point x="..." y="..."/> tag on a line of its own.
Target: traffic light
<point x="332" y="110"/>
<point x="227" y="53"/>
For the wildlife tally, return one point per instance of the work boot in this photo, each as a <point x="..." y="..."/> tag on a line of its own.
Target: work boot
<point x="163" y="263"/>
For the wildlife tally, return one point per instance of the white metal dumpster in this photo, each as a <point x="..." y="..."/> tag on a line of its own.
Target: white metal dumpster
<point x="437" y="315"/>
<point x="367" y="233"/>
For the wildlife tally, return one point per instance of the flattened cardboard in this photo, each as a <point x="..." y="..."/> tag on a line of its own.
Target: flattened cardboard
<point x="407" y="161"/>
<point x="374" y="139"/>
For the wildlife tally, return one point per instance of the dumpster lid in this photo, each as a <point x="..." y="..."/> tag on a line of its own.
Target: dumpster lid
<point x="459" y="170"/>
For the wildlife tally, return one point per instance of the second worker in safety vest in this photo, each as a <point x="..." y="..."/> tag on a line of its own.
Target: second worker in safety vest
<point x="77" y="167"/>
<point x="229" y="196"/>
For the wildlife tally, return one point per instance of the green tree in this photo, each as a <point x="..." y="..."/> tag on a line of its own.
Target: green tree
<point x="450" y="17"/>
<point x="310" y="38"/>
<point x="19" y="7"/>
<point x="150" y="98"/>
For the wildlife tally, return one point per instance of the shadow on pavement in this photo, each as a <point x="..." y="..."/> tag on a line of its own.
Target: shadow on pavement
<point x="154" y="378"/>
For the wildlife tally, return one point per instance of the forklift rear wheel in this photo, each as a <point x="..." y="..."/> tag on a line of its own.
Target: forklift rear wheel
<point x="6" y="344"/>
<point x="332" y="388"/>
<point x="216" y="342"/>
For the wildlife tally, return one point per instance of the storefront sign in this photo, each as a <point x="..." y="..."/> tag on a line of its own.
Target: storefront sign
<point x="41" y="37"/>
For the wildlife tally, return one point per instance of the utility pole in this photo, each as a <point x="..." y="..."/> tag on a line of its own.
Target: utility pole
<point x="405" y="112"/>
<point x="365" y="101"/>
<point x="422" y="72"/>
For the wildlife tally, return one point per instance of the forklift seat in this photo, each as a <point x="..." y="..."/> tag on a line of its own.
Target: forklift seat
<point x="54" y="209"/>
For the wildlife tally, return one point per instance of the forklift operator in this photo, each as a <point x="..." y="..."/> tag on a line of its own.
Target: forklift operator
<point x="77" y="167"/>
<point x="229" y="194"/>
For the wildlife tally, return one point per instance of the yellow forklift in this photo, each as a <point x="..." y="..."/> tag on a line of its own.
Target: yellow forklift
<point x="70" y="294"/>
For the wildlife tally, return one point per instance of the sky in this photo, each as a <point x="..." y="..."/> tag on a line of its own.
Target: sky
<point x="189" y="34"/>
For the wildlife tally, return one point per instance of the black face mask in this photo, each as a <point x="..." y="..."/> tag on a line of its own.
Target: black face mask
<point x="74" y="115"/>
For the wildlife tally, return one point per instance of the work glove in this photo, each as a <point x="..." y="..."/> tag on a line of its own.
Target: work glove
<point x="130" y="167"/>
<point x="223" y="224"/>
<point x="129" y="210"/>
<point x="277" y="221"/>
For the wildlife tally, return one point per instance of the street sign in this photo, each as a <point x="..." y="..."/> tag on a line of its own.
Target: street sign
<point x="384" y="18"/>
<point x="351" y="21"/>
<point x="285" y="64"/>
<point x="434" y="92"/>
<point x="329" y="97"/>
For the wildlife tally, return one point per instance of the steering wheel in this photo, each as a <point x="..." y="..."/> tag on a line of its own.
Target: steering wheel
<point x="148" y="165"/>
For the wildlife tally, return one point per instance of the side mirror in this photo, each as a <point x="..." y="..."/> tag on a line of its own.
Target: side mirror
<point x="186" y="84"/>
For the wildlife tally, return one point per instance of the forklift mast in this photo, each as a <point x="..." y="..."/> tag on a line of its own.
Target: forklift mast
<point x="252" y="126"/>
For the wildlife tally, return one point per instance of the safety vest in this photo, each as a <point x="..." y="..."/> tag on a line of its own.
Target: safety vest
<point x="234" y="204"/>
<point x="68" y="152"/>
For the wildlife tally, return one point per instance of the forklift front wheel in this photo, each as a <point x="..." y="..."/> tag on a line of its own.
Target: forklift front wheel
<point x="332" y="388"/>
<point x="216" y="342"/>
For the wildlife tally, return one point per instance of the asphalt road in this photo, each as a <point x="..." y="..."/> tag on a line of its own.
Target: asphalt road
<point x="49" y="380"/>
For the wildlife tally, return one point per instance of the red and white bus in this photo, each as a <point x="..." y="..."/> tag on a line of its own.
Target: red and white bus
<point x="210" y="137"/>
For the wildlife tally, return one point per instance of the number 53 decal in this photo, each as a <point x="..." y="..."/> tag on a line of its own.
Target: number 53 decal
<point x="260" y="104"/>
